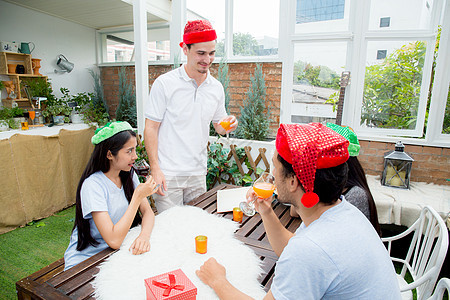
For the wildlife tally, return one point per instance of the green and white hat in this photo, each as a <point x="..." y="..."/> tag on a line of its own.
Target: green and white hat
<point x="109" y="130"/>
<point x="350" y="135"/>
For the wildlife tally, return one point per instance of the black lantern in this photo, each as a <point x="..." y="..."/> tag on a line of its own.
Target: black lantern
<point x="397" y="168"/>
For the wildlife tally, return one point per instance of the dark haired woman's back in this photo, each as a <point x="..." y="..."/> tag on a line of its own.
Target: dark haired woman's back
<point x="357" y="192"/>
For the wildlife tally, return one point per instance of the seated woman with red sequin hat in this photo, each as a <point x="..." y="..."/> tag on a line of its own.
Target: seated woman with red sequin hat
<point x="335" y="253"/>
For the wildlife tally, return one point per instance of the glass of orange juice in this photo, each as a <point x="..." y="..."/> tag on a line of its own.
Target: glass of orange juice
<point x="226" y="123"/>
<point x="32" y="114"/>
<point x="264" y="187"/>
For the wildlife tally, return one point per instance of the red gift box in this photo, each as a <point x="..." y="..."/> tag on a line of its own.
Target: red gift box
<point x="172" y="285"/>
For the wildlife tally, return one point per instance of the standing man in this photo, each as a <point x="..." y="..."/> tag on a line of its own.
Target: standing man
<point x="335" y="253"/>
<point x="181" y="105"/>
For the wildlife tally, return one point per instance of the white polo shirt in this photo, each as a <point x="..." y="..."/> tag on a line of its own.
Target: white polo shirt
<point x="185" y="112"/>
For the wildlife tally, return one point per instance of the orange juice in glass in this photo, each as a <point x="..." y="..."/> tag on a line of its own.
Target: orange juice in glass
<point x="237" y="215"/>
<point x="264" y="187"/>
<point x="32" y="114"/>
<point x="201" y="244"/>
<point x="226" y="123"/>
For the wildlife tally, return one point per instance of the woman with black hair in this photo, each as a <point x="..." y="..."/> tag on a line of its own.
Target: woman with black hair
<point x="356" y="190"/>
<point x="109" y="196"/>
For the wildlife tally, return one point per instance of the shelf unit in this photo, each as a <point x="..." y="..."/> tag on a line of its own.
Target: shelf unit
<point x="22" y="59"/>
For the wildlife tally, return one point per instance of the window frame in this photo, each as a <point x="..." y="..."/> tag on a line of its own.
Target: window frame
<point x="358" y="35"/>
<point x="101" y="36"/>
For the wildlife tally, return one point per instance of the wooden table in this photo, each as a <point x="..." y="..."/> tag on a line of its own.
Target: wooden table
<point x="51" y="282"/>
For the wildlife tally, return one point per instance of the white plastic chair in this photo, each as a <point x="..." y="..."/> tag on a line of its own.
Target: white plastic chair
<point x="425" y="255"/>
<point x="442" y="286"/>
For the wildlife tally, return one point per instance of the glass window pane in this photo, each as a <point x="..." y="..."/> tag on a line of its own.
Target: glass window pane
<point x="416" y="16"/>
<point x="158" y="43"/>
<point x="392" y="85"/>
<point x="314" y="16"/>
<point x="120" y="45"/>
<point x="385" y="22"/>
<point x="446" y="124"/>
<point x="213" y="12"/>
<point x="316" y="77"/>
<point x="255" y="27"/>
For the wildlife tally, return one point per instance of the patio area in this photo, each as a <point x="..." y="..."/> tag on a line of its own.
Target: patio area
<point x="369" y="65"/>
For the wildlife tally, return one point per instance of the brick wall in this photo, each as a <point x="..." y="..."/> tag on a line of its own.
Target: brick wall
<point x="431" y="164"/>
<point x="239" y="74"/>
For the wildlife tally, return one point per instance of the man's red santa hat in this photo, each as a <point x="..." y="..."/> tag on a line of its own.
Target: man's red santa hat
<point x="198" y="31"/>
<point x="307" y="148"/>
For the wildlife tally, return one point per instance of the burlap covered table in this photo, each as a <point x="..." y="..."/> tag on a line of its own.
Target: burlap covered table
<point x="40" y="170"/>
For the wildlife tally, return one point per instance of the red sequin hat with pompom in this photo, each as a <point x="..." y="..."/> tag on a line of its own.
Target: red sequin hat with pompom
<point x="309" y="147"/>
<point x="198" y="31"/>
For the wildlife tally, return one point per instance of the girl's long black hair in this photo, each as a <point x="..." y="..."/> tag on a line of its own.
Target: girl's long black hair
<point x="100" y="162"/>
<point x="357" y="177"/>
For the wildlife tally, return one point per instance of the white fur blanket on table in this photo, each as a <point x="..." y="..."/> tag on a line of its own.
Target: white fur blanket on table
<point x="173" y="247"/>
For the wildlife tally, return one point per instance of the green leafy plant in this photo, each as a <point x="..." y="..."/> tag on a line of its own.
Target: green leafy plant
<point x="17" y="112"/>
<point x="57" y="110"/>
<point x="2" y="86"/>
<point x="333" y="99"/>
<point x="219" y="166"/>
<point x="142" y="158"/>
<point x="321" y="76"/>
<point x="82" y="100"/>
<point x="93" y="105"/>
<point x="58" y="106"/>
<point x="255" y="116"/>
<point x="98" y="97"/>
<point x="392" y="88"/>
<point x="93" y="113"/>
<point x="244" y="44"/>
<point x="40" y="87"/>
<point x="8" y="114"/>
<point x="126" y="110"/>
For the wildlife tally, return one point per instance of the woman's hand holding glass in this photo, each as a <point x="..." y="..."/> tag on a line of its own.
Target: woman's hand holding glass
<point x="261" y="190"/>
<point x="149" y="187"/>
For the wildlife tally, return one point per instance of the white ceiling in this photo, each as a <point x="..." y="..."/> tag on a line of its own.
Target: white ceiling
<point x="97" y="14"/>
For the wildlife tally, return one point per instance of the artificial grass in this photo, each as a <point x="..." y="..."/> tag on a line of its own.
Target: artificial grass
<point x="28" y="249"/>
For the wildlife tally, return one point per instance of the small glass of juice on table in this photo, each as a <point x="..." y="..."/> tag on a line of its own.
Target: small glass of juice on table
<point x="264" y="187"/>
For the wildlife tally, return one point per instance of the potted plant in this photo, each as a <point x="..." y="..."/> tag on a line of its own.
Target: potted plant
<point x="11" y="118"/>
<point x="81" y="101"/>
<point x="6" y="119"/>
<point x="18" y="115"/>
<point x="39" y="87"/>
<point x="58" y="109"/>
